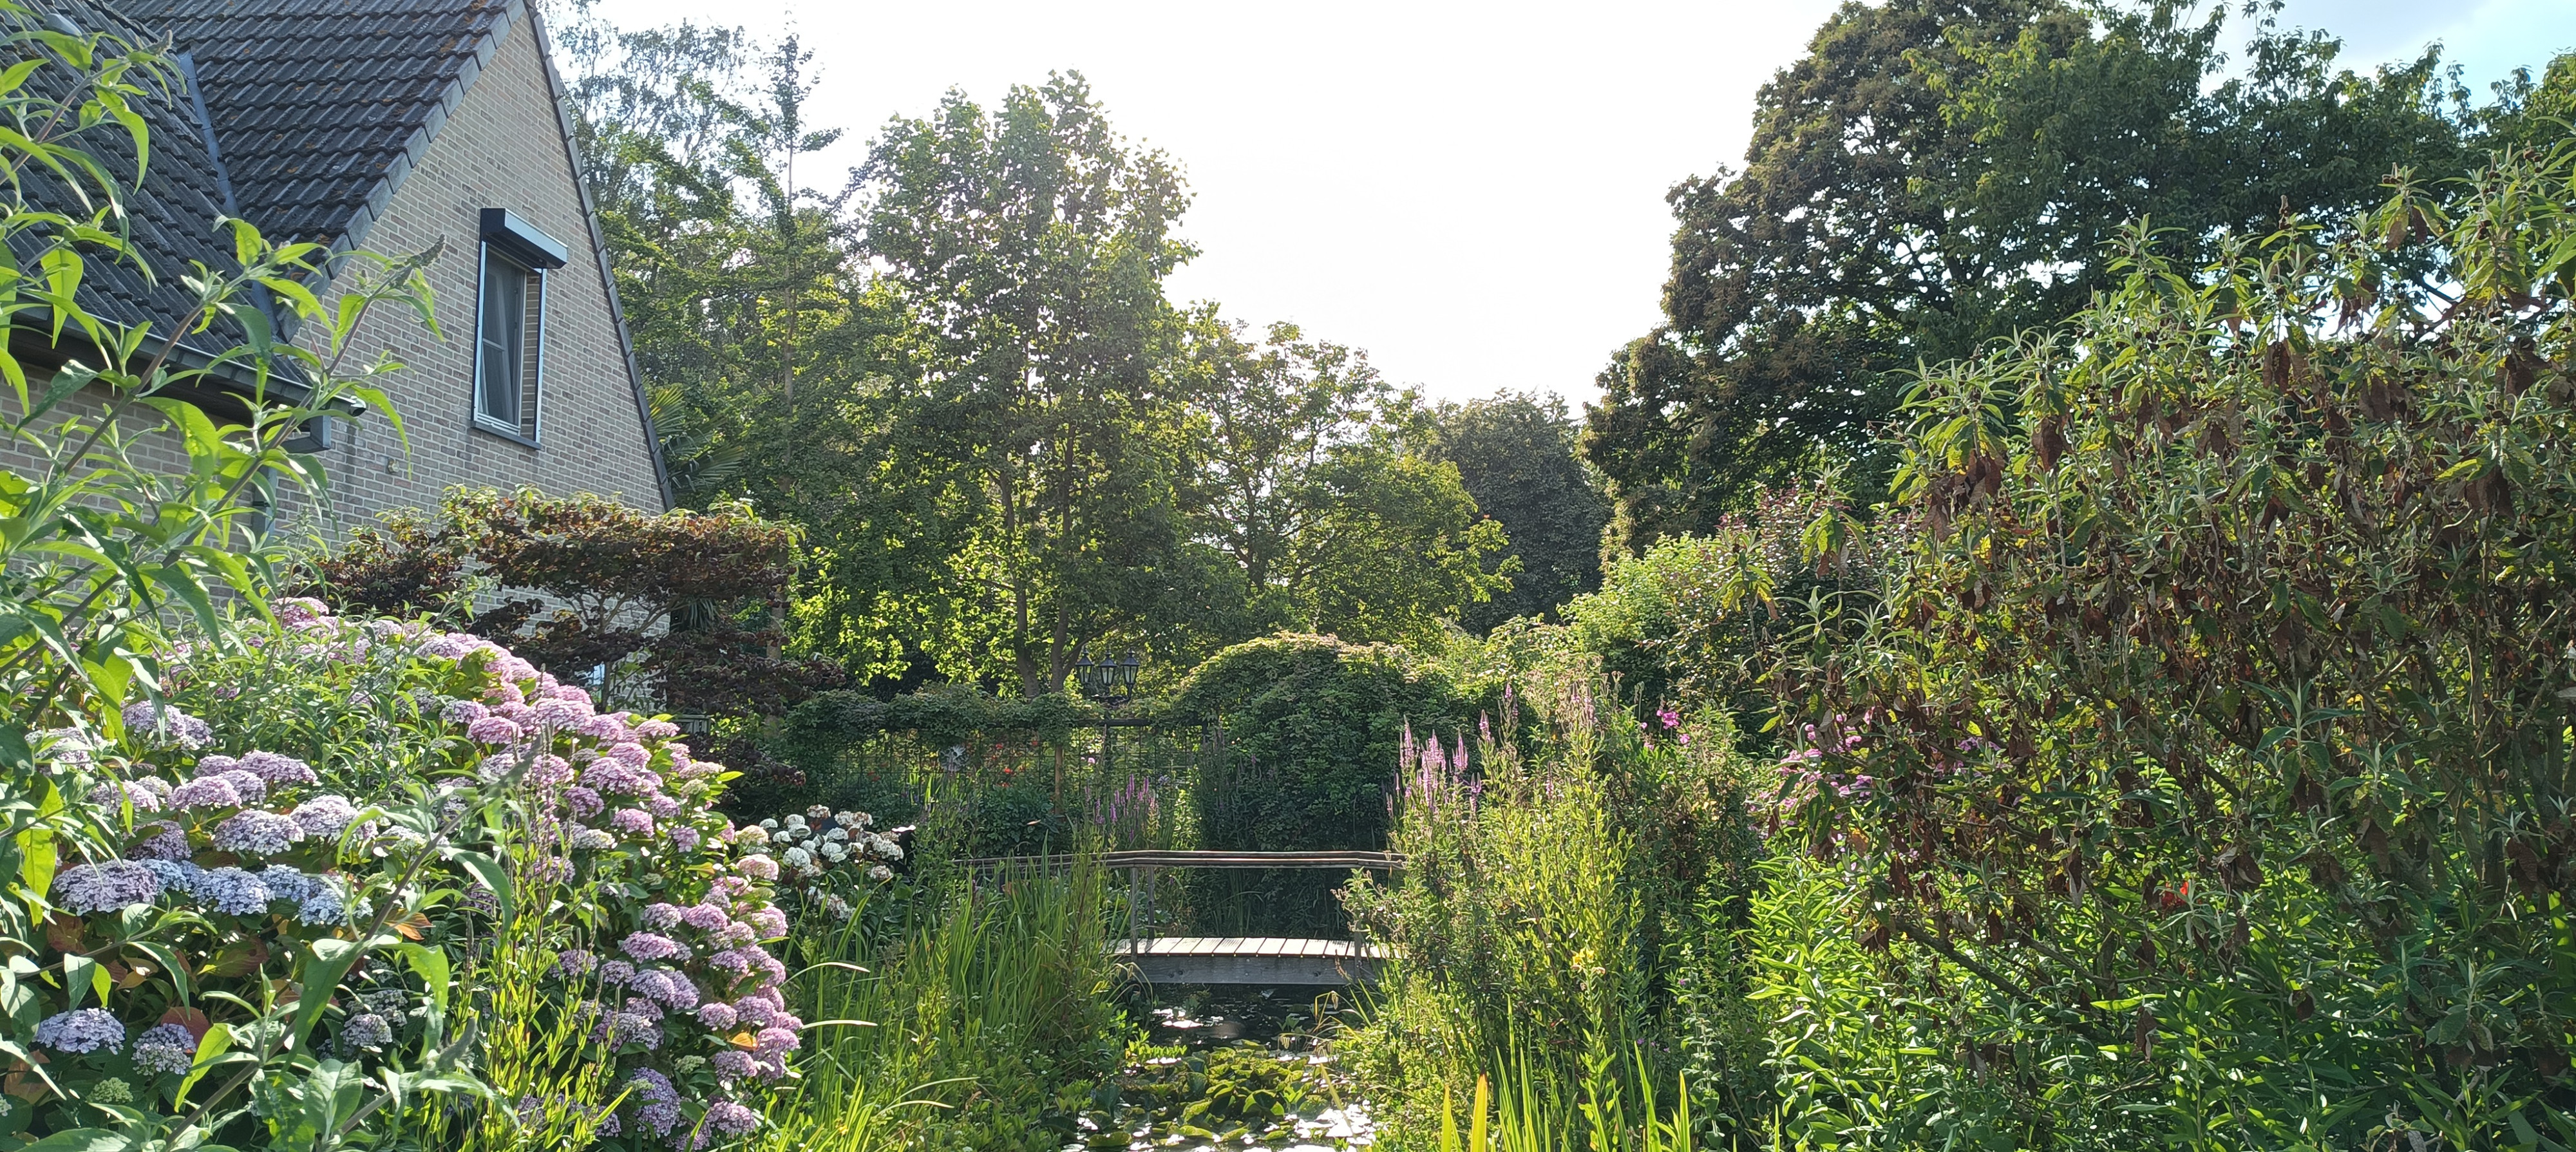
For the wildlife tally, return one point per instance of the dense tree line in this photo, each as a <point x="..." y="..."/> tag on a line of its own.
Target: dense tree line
<point x="1936" y="176"/>
<point x="957" y="370"/>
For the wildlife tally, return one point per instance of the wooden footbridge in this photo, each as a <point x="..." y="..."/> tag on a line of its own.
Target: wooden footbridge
<point x="1224" y="959"/>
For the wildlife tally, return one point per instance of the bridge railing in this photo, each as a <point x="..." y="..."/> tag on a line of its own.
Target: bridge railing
<point x="1140" y="865"/>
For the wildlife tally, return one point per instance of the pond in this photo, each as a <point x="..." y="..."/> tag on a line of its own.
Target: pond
<point x="1229" y="1066"/>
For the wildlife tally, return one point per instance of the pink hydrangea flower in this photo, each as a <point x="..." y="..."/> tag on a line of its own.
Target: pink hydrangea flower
<point x="205" y="792"/>
<point x="653" y="946"/>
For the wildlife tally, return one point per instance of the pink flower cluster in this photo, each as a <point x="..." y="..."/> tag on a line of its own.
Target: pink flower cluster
<point x="686" y="990"/>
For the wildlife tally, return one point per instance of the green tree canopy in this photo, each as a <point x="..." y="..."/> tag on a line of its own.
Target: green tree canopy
<point x="1313" y="727"/>
<point x="1515" y="452"/>
<point x="1027" y="246"/>
<point x="1937" y="174"/>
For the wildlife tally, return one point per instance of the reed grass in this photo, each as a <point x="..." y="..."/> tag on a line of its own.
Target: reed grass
<point x="1528" y="1112"/>
<point x="984" y="1022"/>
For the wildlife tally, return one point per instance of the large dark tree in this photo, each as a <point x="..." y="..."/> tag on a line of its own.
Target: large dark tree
<point x="1515" y="453"/>
<point x="1937" y="174"/>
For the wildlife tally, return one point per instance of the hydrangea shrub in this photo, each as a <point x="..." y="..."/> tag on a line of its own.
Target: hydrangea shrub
<point x="417" y="780"/>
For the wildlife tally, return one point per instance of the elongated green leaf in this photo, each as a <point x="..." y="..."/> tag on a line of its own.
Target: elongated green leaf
<point x="210" y="1048"/>
<point x="493" y="876"/>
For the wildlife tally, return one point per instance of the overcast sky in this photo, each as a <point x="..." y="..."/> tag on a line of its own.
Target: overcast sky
<point x="1474" y="194"/>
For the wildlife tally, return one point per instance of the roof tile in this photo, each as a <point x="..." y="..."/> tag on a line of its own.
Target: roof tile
<point x="314" y="88"/>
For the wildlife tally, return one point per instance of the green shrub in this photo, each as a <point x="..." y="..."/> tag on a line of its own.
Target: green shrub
<point x="1312" y="728"/>
<point x="991" y="1020"/>
<point x="1691" y="618"/>
<point x="2208" y="744"/>
<point x="1545" y="897"/>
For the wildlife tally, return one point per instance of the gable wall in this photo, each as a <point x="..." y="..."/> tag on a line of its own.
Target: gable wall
<point x="502" y="148"/>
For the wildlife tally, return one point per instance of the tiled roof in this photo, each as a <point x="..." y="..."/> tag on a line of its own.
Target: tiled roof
<point x="170" y="215"/>
<point x="320" y="107"/>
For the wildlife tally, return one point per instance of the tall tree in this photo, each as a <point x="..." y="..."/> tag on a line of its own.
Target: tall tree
<point x="1937" y="174"/>
<point x="1315" y="481"/>
<point x="1515" y="452"/>
<point x="770" y="350"/>
<point x="1027" y="247"/>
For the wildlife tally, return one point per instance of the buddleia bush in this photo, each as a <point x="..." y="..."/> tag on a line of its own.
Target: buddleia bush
<point x="2202" y="767"/>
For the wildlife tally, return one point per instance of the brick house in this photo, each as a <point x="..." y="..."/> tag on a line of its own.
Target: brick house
<point x="392" y="126"/>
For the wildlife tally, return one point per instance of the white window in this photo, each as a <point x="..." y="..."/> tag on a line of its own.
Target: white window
<point x="510" y="325"/>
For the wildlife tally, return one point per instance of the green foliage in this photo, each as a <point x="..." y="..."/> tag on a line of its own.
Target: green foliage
<point x="1005" y="447"/>
<point x="988" y="1021"/>
<point x="2533" y="114"/>
<point x="2211" y="735"/>
<point x="1515" y="453"/>
<point x="1312" y="728"/>
<point x="1527" y="1116"/>
<point x="1932" y="177"/>
<point x="944" y="715"/>
<point x="1318" y="483"/>
<point x="1691" y="617"/>
<point x="687" y="609"/>
<point x="1546" y="893"/>
<point x="1028" y="245"/>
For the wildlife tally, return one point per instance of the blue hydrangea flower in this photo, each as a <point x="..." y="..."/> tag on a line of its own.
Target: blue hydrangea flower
<point x="105" y="887"/>
<point x="165" y="1048"/>
<point x="258" y="833"/>
<point x="144" y="720"/>
<point x="368" y="1031"/>
<point x="175" y="875"/>
<point x="285" y="883"/>
<point x="82" y="1030"/>
<point x="233" y="891"/>
<point x="323" y="904"/>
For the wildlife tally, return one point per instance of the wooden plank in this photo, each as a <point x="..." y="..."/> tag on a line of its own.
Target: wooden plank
<point x="1230" y="946"/>
<point x="1202" y="946"/>
<point x="1127" y="861"/>
<point x="1255" y="970"/>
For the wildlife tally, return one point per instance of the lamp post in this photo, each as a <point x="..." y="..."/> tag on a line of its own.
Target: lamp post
<point x="1108" y="682"/>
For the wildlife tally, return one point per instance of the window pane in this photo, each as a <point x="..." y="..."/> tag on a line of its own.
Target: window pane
<point x="502" y="340"/>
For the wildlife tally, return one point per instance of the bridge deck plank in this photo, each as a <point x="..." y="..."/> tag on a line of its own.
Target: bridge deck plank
<point x="1283" y="946"/>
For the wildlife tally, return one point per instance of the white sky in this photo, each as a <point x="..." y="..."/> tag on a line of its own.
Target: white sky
<point x="1472" y="194"/>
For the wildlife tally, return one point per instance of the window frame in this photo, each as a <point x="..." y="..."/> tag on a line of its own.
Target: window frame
<point x="511" y="243"/>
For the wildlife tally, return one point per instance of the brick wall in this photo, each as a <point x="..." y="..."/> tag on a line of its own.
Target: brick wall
<point x="502" y="148"/>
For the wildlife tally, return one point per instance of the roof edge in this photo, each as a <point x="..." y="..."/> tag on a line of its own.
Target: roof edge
<point x="353" y="232"/>
<point x="260" y="297"/>
<point x="599" y="250"/>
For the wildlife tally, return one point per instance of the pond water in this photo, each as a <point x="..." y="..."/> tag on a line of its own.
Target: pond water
<point x="1225" y="1067"/>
